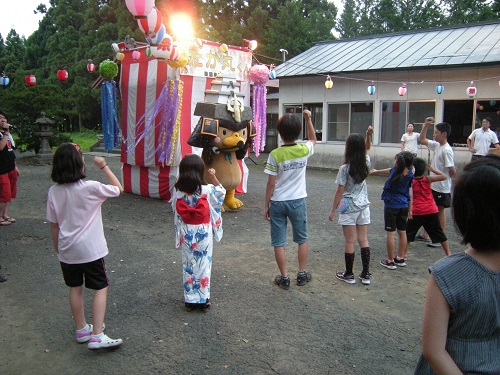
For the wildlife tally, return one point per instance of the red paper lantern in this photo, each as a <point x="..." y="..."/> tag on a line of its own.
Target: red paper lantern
<point x="62" y="75"/>
<point x="30" y="80"/>
<point x="140" y="8"/>
<point x="152" y="24"/>
<point x="91" y="67"/>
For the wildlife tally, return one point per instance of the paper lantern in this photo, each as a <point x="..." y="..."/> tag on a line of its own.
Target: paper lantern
<point x="471" y="90"/>
<point x="120" y="56"/>
<point x="439" y="89"/>
<point x="158" y="37"/>
<point x="62" y="75"/>
<point x="136" y="55"/>
<point x="148" y="52"/>
<point x="91" y="66"/>
<point x="30" y="80"/>
<point x="163" y="50"/>
<point x="140" y="8"/>
<point x="328" y="83"/>
<point x="224" y="48"/>
<point x="402" y="90"/>
<point x="481" y="107"/>
<point x="371" y="89"/>
<point x="152" y="24"/>
<point x="250" y="44"/>
<point x="493" y="103"/>
<point x="272" y="74"/>
<point x="5" y="80"/>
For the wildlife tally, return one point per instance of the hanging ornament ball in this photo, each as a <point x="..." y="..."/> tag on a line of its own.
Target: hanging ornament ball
<point x="329" y="83"/>
<point x="259" y="74"/>
<point x="224" y="48"/>
<point x="30" y="80"/>
<point x="108" y="69"/>
<point x="91" y="67"/>
<point x="402" y="90"/>
<point x="136" y="55"/>
<point x="371" y="89"/>
<point x="148" y="52"/>
<point x="272" y="74"/>
<point x="439" y="89"/>
<point x="62" y="75"/>
<point x="120" y="56"/>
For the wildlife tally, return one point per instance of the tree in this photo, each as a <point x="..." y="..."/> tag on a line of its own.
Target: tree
<point x="298" y="25"/>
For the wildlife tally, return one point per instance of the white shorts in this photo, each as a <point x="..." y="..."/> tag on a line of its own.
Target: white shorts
<point x="355" y="218"/>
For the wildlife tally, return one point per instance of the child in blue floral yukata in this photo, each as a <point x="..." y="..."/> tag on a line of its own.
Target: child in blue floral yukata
<point x="197" y="221"/>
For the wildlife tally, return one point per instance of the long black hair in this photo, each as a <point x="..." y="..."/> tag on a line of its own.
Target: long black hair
<point x="355" y="156"/>
<point x="403" y="160"/>
<point x="191" y="170"/>
<point x="67" y="164"/>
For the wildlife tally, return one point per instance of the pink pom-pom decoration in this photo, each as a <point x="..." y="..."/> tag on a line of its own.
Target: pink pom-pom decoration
<point x="259" y="74"/>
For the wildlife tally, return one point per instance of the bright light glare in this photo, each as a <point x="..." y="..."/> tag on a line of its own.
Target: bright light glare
<point x="181" y="26"/>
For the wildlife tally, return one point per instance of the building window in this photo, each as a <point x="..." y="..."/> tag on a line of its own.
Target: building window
<point x="396" y="115"/>
<point x="316" y="117"/>
<point x="344" y="119"/>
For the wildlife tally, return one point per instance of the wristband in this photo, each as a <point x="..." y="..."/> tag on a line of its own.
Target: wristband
<point x="104" y="166"/>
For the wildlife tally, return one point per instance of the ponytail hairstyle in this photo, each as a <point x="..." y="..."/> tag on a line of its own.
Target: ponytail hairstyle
<point x="403" y="160"/>
<point x="191" y="170"/>
<point x="355" y="156"/>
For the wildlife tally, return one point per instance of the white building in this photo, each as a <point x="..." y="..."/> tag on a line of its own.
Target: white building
<point x="450" y="57"/>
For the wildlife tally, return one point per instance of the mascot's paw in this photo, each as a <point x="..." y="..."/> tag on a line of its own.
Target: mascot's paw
<point x="233" y="204"/>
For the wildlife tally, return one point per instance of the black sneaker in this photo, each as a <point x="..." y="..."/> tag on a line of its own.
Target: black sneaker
<point x="399" y="262"/>
<point x="304" y="278"/>
<point x="365" y="278"/>
<point x="387" y="264"/>
<point x="349" y="279"/>
<point x="282" y="282"/>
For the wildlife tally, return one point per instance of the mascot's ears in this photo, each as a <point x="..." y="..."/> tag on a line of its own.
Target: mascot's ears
<point x="252" y="132"/>
<point x="210" y="126"/>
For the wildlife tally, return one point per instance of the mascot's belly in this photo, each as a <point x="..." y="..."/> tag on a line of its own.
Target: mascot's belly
<point x="228" y="173"/>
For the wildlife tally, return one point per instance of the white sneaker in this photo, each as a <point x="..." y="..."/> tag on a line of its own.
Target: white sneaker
<point x="102" y="341"/>
<point x="84" y="334"/>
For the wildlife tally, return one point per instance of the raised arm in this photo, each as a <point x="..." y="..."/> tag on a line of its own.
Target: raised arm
<point x="311" y="133"/>
<point x="103" y="166"/>
<point x="422" y="137"/>
<point x="368" y="141"/>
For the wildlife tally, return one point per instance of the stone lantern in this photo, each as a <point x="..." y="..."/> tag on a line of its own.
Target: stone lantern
<point x="44" y="155"/>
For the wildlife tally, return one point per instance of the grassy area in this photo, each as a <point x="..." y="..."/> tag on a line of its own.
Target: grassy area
<point x="85" y="138"/>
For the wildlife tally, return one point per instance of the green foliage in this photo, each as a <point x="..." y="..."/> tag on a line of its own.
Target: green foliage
<point x="85" y="138"/>
<point x="108" y="69"/>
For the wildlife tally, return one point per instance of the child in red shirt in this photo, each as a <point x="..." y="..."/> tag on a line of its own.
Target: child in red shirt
<point x="424" y="210"/>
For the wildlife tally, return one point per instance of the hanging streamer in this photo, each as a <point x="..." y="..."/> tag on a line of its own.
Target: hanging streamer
<point x="259" y="118"/>
<point x="110" y="127"/>
<point x="167" y="108"/>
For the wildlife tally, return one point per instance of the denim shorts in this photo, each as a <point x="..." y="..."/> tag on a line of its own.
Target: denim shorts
<point x="295" y="211"/>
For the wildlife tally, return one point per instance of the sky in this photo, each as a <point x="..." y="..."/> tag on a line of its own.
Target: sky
<point x="18" y="14"/>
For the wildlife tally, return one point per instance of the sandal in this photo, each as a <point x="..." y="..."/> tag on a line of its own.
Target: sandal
<point x="206" y="307"/>
<point x="9" y="219"/>
<point x="4" y="222"/>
